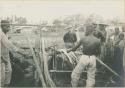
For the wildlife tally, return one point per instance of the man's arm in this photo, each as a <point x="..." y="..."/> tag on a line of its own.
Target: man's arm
<point x="9" y="44"/>
<point x="74" y="48"/>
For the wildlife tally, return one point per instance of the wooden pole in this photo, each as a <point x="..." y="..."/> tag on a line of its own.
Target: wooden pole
<point x="46" y="72"/>
<point x="28" y="25"/>
<point x="108" y="68"/>
<point x="77" y="34"/>
<point x="36" y="63"/>
<point x="40" y="53"/>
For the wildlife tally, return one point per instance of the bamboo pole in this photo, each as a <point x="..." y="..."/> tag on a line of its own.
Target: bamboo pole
<point x="36" y="63"/>
<point x="46" y="72"/>
<point x="40" y="53"/>
<point x="77" y="34"/>
<point x="108" y="68"/>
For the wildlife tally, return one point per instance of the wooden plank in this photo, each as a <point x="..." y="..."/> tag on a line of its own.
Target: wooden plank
<point x="67" y="71"/>
<point x="28" y="25"/>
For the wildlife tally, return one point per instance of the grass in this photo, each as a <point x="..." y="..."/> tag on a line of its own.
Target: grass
<point x="51" y="38"/>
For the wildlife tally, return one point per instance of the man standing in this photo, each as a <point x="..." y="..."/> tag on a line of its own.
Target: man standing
<point x="115" y="37"/>
<point x="6" y="46"/>
<point x="124" y="59"/>
<point x="91" y="50"/>
<point x="100" y="32"/>
<point x="118" y="58"/>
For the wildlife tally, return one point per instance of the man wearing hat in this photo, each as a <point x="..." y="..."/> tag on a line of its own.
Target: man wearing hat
<point x="91" y="50"/>
<point x="6" y="46"/>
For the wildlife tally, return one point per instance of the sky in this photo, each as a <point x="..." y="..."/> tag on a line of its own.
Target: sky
<point x="36" y="10"/>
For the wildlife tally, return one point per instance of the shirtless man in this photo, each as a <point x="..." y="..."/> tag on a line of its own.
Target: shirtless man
<point x="91" y="50"/>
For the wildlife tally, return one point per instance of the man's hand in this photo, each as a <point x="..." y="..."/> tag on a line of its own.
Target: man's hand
<point x="68" y="50"/>
<point x="65" y="51"/>
<point x="62" y="50"/>
<point x="22" y="52"/>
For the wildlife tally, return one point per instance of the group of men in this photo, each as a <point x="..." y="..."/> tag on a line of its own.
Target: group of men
<point x="92" y="42"/>
<point x="93" y="45"/>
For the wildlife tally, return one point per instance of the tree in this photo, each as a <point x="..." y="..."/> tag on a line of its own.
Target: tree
<point x="94" y="18"/>
<point x="75" y="19"/>
<point x="21" y="20"/>
<point x="57" y="22"/>
<point x="57" y="25"/>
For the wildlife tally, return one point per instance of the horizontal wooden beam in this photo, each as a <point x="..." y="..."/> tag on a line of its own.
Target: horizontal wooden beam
<point x="27" y="25"/>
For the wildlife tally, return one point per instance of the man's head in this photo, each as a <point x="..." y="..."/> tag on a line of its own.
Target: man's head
<point x="117" y="30"/>
<point x="102" y="26"/>
<point x="89" y="30"/>
<point x="5" y="25"/>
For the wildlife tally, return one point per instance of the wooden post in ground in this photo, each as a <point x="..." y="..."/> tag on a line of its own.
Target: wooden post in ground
<point x="46" y="72"/>
<point x="36" y="63"/>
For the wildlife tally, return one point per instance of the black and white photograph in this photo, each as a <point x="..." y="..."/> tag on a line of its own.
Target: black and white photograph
<point x="62" y="43"/>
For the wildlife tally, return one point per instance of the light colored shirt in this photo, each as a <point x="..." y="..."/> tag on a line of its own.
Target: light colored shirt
<point x="6" y="46"/>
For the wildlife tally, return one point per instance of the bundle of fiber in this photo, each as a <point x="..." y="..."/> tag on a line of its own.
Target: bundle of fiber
<point x="71" y="57"/>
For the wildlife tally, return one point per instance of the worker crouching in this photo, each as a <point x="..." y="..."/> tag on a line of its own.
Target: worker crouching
<point x="70" y="38"/>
